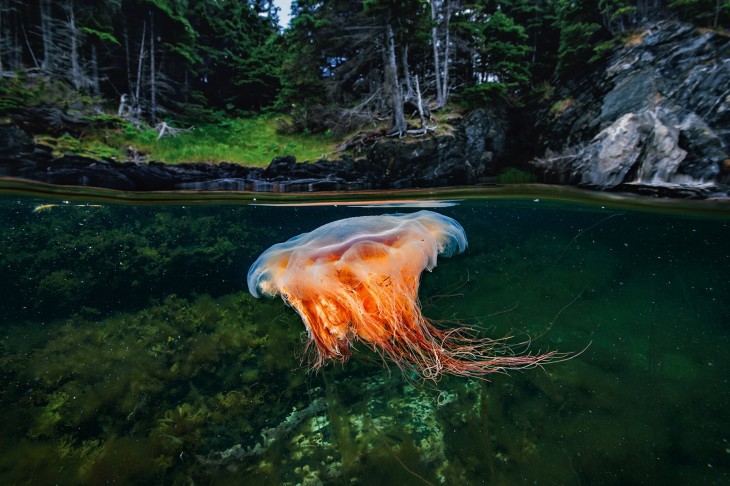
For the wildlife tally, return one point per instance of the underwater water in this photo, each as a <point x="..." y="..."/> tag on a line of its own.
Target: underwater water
<point x="131" y="351"/>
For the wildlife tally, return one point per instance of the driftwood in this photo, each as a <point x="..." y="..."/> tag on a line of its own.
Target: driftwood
<point x="361" y="141"/>
<point x="422" y="131"/>
<point x="165" y="130"/>
<point x="130" y="110"/>
<point x="237" y="453"/>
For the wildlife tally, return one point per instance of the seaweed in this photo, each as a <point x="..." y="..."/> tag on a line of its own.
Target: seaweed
<point x="172" y="380"/>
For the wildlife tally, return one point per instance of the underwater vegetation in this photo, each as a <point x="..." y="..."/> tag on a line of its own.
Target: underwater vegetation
<point x="60" y="258"/>
<point x="182" y="386"/>
<point x="213" y="390"/>
<point x="166" y="382"/>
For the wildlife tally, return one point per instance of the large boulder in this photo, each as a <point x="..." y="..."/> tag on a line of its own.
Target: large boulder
<point x="649" y="147"/>
<point x="658" y="113"/>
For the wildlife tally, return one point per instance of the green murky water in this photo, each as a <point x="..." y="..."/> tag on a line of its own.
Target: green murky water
<point x="131" y="352"/>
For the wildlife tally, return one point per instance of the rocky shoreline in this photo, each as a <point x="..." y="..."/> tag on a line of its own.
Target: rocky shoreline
<point x="284" y="175"/>
<point x="657" y="114"/>
<point x="654" y="119"/>
<point x="465" y="155"/>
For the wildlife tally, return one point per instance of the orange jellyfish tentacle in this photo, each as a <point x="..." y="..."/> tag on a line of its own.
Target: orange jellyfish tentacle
<point x="357" y="279"/>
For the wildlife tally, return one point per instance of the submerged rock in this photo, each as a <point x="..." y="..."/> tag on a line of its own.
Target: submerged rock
<point x="656" y="115"/>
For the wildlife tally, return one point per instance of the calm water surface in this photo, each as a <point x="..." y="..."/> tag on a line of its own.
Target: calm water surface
<point x="131" y="351"/>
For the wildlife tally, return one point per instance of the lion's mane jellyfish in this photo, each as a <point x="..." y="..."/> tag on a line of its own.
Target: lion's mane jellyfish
<point x="357" y="279"/>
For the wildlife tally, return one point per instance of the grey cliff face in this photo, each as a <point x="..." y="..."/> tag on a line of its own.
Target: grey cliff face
<point x="657" y="114"/>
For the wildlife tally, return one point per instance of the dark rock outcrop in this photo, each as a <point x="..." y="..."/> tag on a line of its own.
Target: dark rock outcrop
<point x="464" y="155"/>
<point x="658" y="114"/>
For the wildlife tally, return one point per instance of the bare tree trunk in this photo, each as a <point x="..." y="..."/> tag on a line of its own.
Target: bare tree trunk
<point x="435" y="41"/>
<point x="30" y="49"/>
<point x="445" y="72"/>
<point x="441" y="15"/>
<point x="391" y="82"/>
<point x="128" y="56"/>
<point x="407" y="74"/>
<point x="122" y="110"/>
<point x="420" y="105"/>
<point x="718" y="8"/>
<point x="2" y="35"/>
<point x="17" y="51"/>
<point x="138" y="83"/>
<point x="153" y="84"/>
<point x="94" y="71"/>
<point x="8" y="37"/>
<point x="77" y="77"/>
<point x="46" y="34"/>
<point x="7" y="46"/>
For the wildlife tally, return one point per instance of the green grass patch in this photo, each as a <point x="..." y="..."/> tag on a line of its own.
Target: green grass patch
<point x="86" y="146"/>
<point x="512" y="175"/>
<point x="250" y="141"/>
<point x="245" y="141"/>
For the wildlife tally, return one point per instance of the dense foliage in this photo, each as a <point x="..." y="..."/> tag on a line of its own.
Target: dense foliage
<point x="155" y="58"/>
<point x="348" y="62"/>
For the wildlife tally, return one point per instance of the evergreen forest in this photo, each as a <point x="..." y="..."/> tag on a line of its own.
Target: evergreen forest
<point x="337" y="66"/>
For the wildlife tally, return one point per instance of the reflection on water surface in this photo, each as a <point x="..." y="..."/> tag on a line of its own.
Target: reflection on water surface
<point x="131" y="351"/>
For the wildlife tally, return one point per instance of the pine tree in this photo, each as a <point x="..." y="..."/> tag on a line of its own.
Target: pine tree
<point x="238" y="54"/>
<point x="580" y="31"/>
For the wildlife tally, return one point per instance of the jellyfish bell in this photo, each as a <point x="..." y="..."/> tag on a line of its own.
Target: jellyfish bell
<point x="356" y="280"/>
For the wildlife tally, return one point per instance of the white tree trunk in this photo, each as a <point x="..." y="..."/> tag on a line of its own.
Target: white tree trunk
<point x="407" y="79"/>
<point x="138" y="83"/>
<point x="16" y="50"/>
<point x="153" y="83"/>
<point x="128" y="57"/>
<point x="77" y="77"/>
<point x="46" y="34"/>
<point x="435" y="41"/>
<point x="445" y="72"/>
<point x="391" y="81"/>
<point x="95" y="71"/>
<point x="420" y="105"/>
